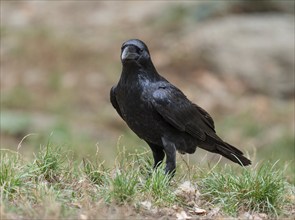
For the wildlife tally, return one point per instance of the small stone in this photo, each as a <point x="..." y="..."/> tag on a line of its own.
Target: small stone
<point x="200" y="211"/>
<point x="83" y="217"/>
<point x="182" y="216"/>
<point x="146" y="204"/>
<point x="263" y="215"/>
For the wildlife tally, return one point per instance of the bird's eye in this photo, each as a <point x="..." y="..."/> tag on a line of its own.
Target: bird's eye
<point x="138" y="50"/>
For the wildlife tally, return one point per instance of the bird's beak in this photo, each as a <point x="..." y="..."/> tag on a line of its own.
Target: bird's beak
<point x="129" y="53"/>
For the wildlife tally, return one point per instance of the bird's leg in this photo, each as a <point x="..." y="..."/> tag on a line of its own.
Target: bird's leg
<point x="158" y="154"/>
<point x="170" y="151"/>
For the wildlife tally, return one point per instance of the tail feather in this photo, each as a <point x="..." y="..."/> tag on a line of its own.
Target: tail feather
<point x="232" y="153"/>
<point x="234" y="149"/>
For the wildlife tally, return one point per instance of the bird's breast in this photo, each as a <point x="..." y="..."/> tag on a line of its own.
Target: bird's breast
<point x="138" y="113"/>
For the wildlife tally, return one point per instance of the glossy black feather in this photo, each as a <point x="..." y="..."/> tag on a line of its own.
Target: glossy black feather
<point x="114" y="101"/>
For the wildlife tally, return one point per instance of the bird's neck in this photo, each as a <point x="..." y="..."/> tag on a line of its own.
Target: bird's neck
<point x="132" y="73"/>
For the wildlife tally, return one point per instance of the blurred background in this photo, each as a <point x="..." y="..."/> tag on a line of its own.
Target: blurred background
<point x="59" y="60"/>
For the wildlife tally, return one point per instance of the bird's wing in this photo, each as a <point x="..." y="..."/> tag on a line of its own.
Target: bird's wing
<point x="114" y="100"/>
<point x="181" y="113"/>
<point x="206" y="117"/>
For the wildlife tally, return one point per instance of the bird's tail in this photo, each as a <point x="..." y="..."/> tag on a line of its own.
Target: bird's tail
<point x="232" y="153"/>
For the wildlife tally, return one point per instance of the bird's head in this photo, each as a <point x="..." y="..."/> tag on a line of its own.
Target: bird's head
<point x="134" y="51"/>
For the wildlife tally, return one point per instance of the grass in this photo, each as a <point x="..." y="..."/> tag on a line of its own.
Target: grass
<point x="10" y="175"/>
<point x="55" y="186"/>
<point x="261" y="190"/>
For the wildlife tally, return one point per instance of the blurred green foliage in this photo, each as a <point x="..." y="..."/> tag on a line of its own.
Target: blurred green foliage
<point x="14" y="124"/>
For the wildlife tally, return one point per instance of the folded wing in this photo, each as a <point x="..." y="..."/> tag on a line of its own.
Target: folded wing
<point x="181" y="113"/>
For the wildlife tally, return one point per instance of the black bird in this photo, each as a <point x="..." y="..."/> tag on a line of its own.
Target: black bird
<point x="161" y="114"/>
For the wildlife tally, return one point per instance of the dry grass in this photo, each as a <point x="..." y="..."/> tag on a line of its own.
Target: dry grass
<point x="55" y="186"/>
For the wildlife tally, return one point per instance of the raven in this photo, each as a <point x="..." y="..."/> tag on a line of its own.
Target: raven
<point x="159" y="113"/>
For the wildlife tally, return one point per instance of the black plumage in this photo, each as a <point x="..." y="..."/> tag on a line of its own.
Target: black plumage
<point x="161" y="114"/>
